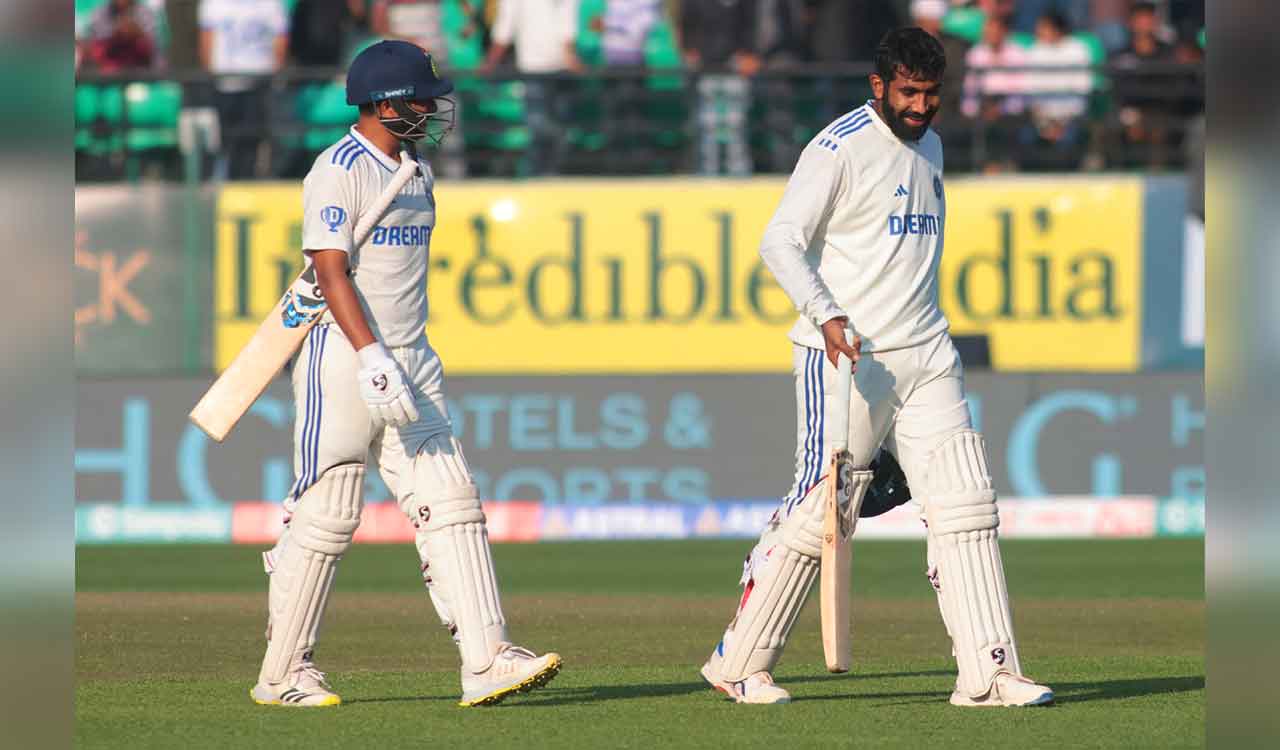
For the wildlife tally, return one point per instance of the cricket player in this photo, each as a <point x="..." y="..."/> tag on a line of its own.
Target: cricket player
<point x="367" y="385"/>
<point x="856" y="243"/>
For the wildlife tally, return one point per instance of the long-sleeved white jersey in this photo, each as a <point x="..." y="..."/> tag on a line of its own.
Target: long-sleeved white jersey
<point x="859" y="233"/>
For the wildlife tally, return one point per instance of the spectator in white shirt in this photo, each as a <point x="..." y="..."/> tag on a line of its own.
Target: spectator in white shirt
<point x="242" y="42"/>
<point x="544" y="34"/>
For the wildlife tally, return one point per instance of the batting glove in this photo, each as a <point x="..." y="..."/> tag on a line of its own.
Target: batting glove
<point x="383" y="388"/>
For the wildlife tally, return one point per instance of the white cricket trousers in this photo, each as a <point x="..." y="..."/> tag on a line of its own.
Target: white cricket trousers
<point x="908" y="400"/>
<point x="333" y="425"/>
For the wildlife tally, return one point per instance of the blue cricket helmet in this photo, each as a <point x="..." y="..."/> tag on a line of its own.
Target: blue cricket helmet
<point x="394" y="69"/>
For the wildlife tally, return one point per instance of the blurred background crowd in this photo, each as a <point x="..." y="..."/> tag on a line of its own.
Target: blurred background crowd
<point x="252" y="89"/>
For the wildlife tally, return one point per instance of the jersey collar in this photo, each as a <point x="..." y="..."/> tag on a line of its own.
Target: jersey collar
<point x="385" y="161"/>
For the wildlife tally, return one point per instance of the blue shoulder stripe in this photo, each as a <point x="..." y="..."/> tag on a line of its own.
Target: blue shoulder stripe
<point x="351" y="157"/>
<point x="340" y="152"/>
<point x="845" y="121"/>
<point x="856" y="128"/>
<point x="853" y="125"/>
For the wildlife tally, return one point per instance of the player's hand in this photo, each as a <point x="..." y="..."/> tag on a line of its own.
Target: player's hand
<point x="383" y="388"/>
<point x="833" y="335"/>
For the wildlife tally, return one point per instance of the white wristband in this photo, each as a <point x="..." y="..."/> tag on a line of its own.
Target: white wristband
<point x="373" y="354"/>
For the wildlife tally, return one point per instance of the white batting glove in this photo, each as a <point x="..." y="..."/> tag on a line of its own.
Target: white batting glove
<point x="383" y="388"/>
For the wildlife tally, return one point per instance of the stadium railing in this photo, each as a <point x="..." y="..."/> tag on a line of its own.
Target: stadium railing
<point x="616" y="122"/>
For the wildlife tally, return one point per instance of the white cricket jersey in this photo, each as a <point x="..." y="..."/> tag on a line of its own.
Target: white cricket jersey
<point x="390" y="267"/>
<point x="859" y="233"/>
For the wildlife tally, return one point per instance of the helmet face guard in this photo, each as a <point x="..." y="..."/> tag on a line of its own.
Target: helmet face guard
<point x="408" y="124"/>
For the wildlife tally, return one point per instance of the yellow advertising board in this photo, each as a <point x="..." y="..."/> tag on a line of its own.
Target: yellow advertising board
<point x="663" y="276"/>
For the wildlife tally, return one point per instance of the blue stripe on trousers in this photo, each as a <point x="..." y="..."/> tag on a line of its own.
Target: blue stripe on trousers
<point x="814" y="400"/>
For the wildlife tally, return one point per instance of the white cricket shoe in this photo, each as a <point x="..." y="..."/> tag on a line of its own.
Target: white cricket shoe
<point x="306" y="688"/>
<point x="1008" y="689"/>
<point x="757" y="688"/>
<point x="514" y="670"/>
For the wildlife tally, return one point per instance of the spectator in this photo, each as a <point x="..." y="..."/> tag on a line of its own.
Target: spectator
<point x="993" y="91"/>
<point x="417" y="21"/>
<point x="321" y="30"/>
<point x="241" y="42"/>
<point x="544" y="34"/>
<point x="1108" y="19"/>
<point x="717" y="37"/>
<point x="1027" y="14"/>
<point x="1142" y="96"/>
<point x="1003" y="9"/>
<point x="422" y="22"/>
<point x="1060" y="96"/>
<point x="122" y="37"/>
<point x="625" y="27"/>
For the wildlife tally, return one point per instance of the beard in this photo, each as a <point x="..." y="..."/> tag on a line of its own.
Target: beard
<point x="897" y="122"/>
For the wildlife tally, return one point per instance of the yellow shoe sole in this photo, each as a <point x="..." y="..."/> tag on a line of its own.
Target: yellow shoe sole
<point x="331" y="701"/>
<point x="530" y="683"/>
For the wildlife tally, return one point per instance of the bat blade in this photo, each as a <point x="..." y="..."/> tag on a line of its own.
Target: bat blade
<point x="837" y="553"/>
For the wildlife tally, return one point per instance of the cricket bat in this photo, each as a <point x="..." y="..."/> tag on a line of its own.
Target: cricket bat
<point x="837" y="527"/>
<point x="282" y="333"/>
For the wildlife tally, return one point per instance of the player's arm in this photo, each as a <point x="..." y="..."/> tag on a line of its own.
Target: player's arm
<point x="816" y="184"/>
<point x="330" y="209"/>
<point x="340" y="294"/>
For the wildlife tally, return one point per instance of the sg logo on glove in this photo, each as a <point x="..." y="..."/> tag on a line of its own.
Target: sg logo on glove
<point x="380" y="382"/>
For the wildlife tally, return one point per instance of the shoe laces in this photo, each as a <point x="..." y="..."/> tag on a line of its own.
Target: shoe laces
<point x="309" y="671"/>
<point x="518" y="652"/>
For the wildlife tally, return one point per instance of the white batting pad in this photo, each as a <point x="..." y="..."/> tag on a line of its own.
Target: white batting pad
<point x="961" y="508"/>
<point x="454" y="546"/>
<point x="779" y="574"/>
<point x="305" y="562"/>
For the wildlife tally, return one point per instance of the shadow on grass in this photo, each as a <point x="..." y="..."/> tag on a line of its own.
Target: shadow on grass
<point x="594" y="694"/>
<point x="1080" y="692"/>
<point x="1065" y="692"/>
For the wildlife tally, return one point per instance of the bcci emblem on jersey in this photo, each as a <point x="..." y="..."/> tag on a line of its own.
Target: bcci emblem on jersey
<point x="333" y="216"/>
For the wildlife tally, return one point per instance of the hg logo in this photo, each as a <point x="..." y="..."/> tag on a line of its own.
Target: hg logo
<point x="334" y="216"/>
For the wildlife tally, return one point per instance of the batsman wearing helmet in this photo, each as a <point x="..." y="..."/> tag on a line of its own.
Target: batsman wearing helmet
<point x="855" y="243"/>
<point x="367" y="385"/>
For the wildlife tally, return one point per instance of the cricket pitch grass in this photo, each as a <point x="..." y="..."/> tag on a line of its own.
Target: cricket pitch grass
<point x="169" y="639"/>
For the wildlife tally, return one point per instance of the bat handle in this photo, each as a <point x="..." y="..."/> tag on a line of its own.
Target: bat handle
<point x="840" y="399"/>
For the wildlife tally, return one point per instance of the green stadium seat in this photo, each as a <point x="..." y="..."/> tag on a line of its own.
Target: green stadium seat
<point x="325" y="114"/>
<point x="661" y="52"/>
<point x="965" y="23"/>
<point x="1022" y="39"/>
<point x="152" y="115"/>
<point x="99" y="112"/>
<point x="1099" y="98"/>
<point x="466" y="51"/>
<point x="589" y="44"/>
<point x="502" y="101"/>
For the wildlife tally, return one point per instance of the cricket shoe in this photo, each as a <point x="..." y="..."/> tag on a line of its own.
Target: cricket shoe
<point x="514" y="670"/>
<point x="307" y="688"/>
<point x="757" y="688"/>
<point x="1008" y="690"/>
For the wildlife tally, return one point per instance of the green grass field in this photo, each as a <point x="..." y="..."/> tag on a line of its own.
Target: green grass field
<point x="169" y="639"/>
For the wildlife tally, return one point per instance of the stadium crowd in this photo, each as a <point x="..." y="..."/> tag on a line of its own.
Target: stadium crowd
<point x="1031" y="84"/>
